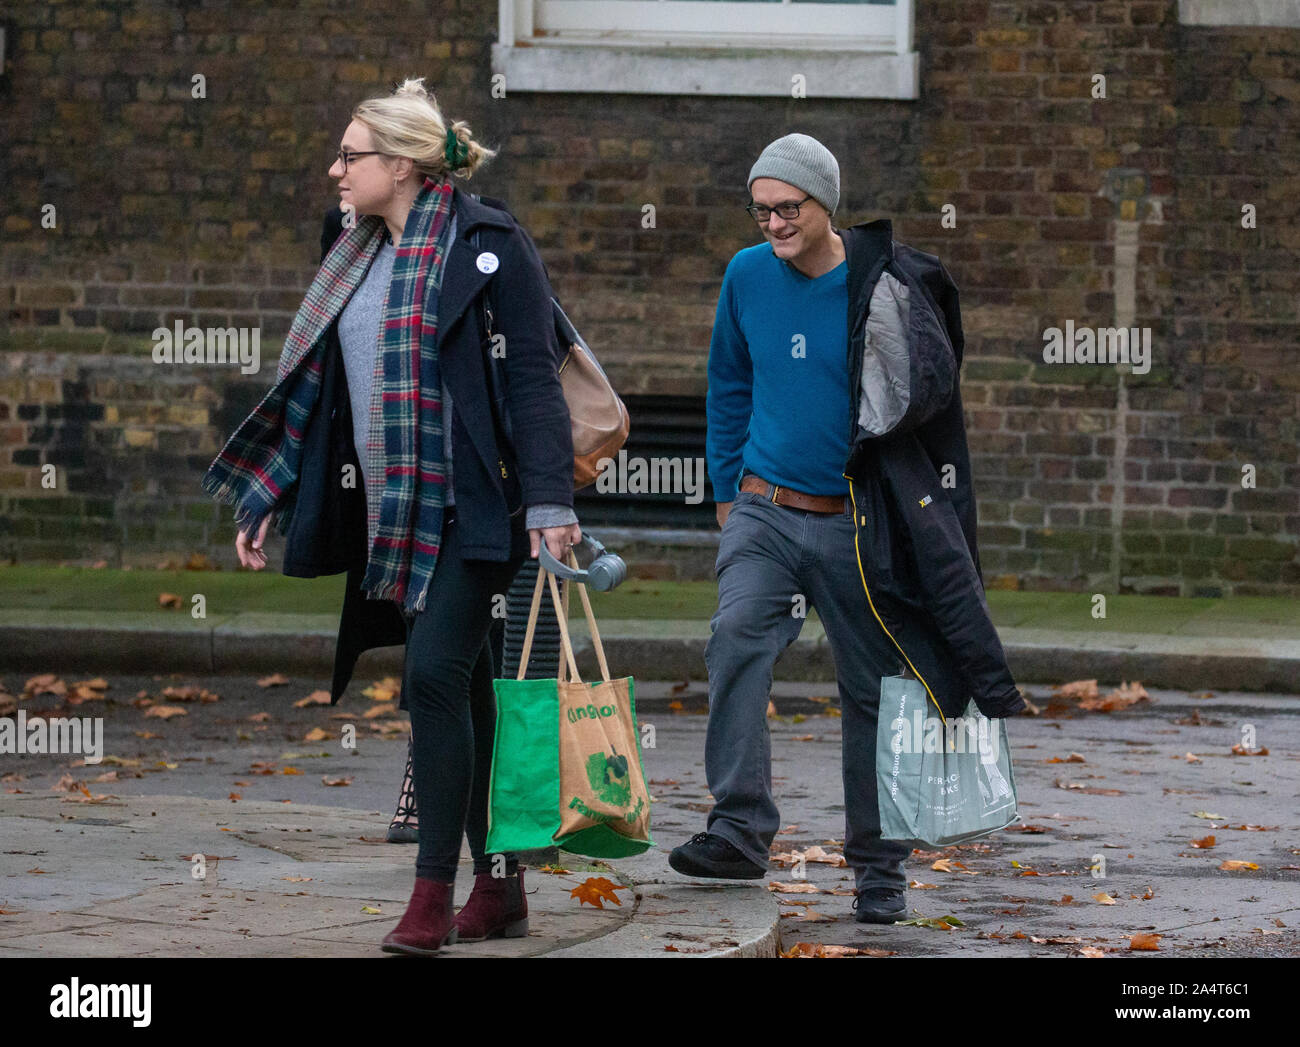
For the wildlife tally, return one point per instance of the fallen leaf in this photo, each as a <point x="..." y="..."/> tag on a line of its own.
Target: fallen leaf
<point x="370" y="910"/>
<point x="385" y="690"/>
<point x="1125" y="695"/>
<point x="274" y="680"/>
<point x="1233" y="864"/>
<point x="1205" y="841"/>
<point x="297" y="879"/>
<point x="1076" y="689"/>
<point x="1241" y="750"/>
<point x="260" y="717"/>
<point x="168" y="600"/>
<point x="948" y="865"/>
<point x="68" y="784"/>
<point x="1144" y="942"/>
<point x="1072" y="758"/>
<point x="793" y="888"/>
<point x="1206" y="814"/>
<point x="1092" y="952"/>
<point x="552" y="870"/>
<point x="315" y="698"/>
<point x="317" y="734"/>
<point x="46" y="683"/>
<point x="593" y="889"/>
<point x="291" y="770"/>
<point x="327" y="780"/>
<point x="919" y="886"/>
<point x="1190" y="758"/>
<point x="1104" y="899"/>
<point x="942" y="923"/>
<point x="166" y="712"/>
<point x="190" y="693"/>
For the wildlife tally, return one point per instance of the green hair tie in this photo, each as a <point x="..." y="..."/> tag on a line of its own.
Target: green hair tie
<point x="457" y="152"/>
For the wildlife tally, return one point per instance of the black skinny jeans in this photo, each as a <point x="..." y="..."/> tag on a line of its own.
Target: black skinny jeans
<point x="447" y="682"/>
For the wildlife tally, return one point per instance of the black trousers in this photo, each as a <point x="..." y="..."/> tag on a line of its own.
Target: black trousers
<point x="447" y="683"/>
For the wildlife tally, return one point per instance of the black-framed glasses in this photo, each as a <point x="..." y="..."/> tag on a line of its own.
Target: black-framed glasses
<point x="788" y="211"/>
<point x="345" y="158"/>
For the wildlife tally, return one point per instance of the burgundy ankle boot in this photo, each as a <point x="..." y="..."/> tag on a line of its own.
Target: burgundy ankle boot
<point x="497" y="908"/>
<point x="429" y="922"/>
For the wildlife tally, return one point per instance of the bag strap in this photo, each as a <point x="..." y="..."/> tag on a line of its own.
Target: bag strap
<point x="569" y="661"/>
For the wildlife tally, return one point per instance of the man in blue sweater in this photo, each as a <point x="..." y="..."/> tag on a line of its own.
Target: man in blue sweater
<point x="780" y="418"/>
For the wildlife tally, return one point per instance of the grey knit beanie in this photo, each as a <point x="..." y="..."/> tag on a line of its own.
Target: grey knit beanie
<point x="804" y="163"/>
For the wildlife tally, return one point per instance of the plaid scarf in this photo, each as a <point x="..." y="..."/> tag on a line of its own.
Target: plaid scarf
<point x="262" y="460"/>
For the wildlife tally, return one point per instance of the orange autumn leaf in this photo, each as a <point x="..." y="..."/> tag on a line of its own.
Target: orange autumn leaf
<point x="315" y="698"/>
<point x="274" y="680"/>
<point x="1144" y="942"/>
<point x="168" y="600"/>
<point x="1241" y="750"/>
<point x="1076" y="689"/>
<point x="1104" y="899"/>
<point x="385" y="690"/>
<point x="595" y="888"/>
<point x="166" y="712"/>
<point x="46" y="683"/>
<point x="317" y="734"/>
<point x="1204" y="841"/>
<point x="290" y="770"/>
<point x="1232" y="864"/>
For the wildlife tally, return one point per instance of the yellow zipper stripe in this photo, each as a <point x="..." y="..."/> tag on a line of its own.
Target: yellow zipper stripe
<point x="862" y="574"/>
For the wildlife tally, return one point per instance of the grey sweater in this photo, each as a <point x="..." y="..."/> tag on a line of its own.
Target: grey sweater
<point x="359" y="336"/>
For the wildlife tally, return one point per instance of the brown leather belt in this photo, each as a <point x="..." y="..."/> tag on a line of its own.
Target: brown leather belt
<point x="792" y="499"/>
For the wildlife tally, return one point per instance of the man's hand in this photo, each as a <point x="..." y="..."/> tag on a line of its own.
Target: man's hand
<point x="558" y="540"/>
<point x="723" y="509"/>
<point x="252" y="556"/>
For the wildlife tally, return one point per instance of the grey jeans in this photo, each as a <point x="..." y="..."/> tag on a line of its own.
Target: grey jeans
<point x="769" y="558"/>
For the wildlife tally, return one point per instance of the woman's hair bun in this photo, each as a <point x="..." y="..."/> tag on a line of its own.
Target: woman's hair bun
<point x="413" y="86"/>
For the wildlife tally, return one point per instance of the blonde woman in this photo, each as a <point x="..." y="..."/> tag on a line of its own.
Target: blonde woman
<point x="384" y="369"/>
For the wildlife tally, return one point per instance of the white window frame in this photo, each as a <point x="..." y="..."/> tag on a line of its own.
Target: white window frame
<point x="1244" y="13"/>
<point x="708" y="47"/>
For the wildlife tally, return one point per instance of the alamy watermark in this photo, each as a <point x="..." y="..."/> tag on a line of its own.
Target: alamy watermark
<point x="959" y="734"/>
<point x="624" y="475"/>
<point x="209" y="345"/>
<point x="1098" y="345"/>
<point x="83" y="736"/>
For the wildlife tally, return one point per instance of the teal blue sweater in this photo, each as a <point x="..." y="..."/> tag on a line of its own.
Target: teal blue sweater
<point x="778" y="401"/>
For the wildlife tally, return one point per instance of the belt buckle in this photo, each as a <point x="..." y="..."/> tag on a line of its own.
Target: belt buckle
<point x="776" y="490"/>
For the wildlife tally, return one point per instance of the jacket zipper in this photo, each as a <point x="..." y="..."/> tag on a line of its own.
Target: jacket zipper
<point x="863" y="575"/>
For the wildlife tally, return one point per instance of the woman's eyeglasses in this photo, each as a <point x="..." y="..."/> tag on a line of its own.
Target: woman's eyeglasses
<point x="346" y="158"/>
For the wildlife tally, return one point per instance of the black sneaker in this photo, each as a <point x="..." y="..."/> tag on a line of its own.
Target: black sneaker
<point x="879" y="905"/>
<point x="709" y="855"/>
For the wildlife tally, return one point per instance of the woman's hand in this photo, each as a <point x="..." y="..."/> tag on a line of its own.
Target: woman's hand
<point x="252" y="556"/>
<point x="558" y="540"/>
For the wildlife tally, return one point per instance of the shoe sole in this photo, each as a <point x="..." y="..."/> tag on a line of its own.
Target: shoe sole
<point x="412" y="950"/>
<point x="883" y="917"/>
<point x="687" y="867"/>
<point x="518" y="929"/>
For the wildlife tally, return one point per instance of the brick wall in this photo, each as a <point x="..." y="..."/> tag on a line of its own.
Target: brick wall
<point x="208" y="210"/>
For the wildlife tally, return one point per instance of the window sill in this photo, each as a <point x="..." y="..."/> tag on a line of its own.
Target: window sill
<point x="606" y="69"/>
<point x="1242" y="13"/>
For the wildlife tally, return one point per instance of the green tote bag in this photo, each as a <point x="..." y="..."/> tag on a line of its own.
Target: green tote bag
<point x="562" y="767"/>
